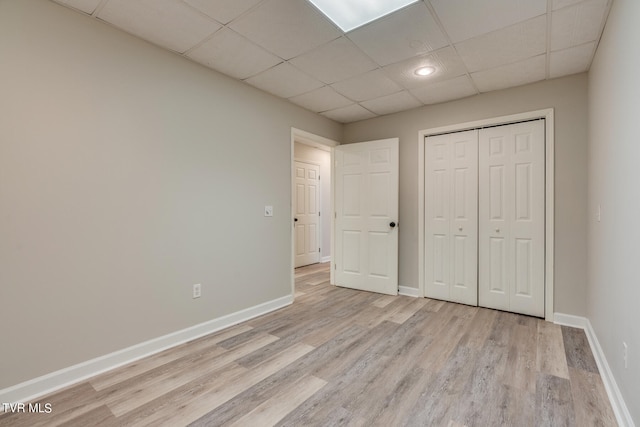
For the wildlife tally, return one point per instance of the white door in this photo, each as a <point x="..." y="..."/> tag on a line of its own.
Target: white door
<point x="451" y="217"/>
<point x="306" y="213"/>
<point x="511" y="218"/>
<point x="366" y="216"/>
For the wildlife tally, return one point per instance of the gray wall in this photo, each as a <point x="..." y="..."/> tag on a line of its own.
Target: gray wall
<point x="304" y="152"/>
<point x="127" y="174"/>
<point x="568" y="96"/>
<point x="614" y="175"/>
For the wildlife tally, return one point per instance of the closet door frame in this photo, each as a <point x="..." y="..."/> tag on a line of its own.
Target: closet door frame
<point x="546" y="114"/>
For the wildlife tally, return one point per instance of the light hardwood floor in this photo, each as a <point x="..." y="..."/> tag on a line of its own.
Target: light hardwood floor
<point x="344" y="357"/>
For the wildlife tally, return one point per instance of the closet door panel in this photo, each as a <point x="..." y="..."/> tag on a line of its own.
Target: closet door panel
<point x="451" y="200"/>
<point x="511" y="218"/>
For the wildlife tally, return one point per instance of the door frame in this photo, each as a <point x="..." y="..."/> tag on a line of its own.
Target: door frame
<point x="548" y="115"/>
<point x="316" y="141"/>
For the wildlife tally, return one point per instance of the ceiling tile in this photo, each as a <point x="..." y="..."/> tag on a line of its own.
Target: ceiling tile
<point x="334" y="61"/>
<point x="559" y="4"/>
<point x="286" y="27"/>
<point x="575" y="25"/>
<point x="392" y="103"/>
<point x="464" y="19"/>
<point x="86" y="6"/>
<point x="370" y="85"/>
<point x="168" y="23"/>
<point x="571" y="61"/>
<point x="223" y="11"/>
<point x="401" y="35"/>
<point x="322" y="99"/>
<point x="505" y="46"/>
<point x="523" y="72"/>
<point x="232" y="54"/>
<point x="352" y="113"/>
<point x="446" y="62"/>
<point x="447" y="90"/>
<point x="284" y="80"/>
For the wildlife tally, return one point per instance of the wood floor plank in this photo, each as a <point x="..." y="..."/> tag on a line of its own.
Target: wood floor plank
<point x="125" y="397"/>
<point x="275" y="409"/>
<point x="68" y="404"/>
<point x="551" y="357"/>
<point x="589" y="399"/>
<point x="342" y="357"/>
<point x="144" y="365"/>
<point x="520" y="371"/>
<point x="577" y="350"/>
<point x="193" y="409"/>
<point x="554" y="402"/>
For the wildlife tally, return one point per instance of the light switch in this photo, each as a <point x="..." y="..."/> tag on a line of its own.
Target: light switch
<point x="268" y="211"/>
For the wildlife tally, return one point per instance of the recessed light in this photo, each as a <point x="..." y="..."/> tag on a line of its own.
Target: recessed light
<point x="424" y="71"/>
<point x="351" y="14"/>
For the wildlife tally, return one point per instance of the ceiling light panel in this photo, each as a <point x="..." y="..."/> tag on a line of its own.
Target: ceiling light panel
<point x="351" y="14"/>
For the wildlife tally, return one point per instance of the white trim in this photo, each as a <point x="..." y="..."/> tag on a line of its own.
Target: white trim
<point x="408" y="291"/>
<point x="570" y="320"/>
<point x="325" y="259"/>
<point x="322" y="143"/>
<point x="620" y="410"/>
<point x="546" y="114"/>
<point x="51" y="382"/>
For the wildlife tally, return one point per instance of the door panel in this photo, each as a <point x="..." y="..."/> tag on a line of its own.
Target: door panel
<point x="366" y="195"/>
<point x="306" y="213"/>
<point x="451" y="199"/>
<point x="511" y="218"/>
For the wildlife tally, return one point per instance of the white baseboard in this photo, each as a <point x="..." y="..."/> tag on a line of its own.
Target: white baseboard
<point x="615" y="396"/>
<point x="32" y="389"/>
<point x="408" y="291"/>
<point x="570" y="320"/>
<point x="325" y="259"/>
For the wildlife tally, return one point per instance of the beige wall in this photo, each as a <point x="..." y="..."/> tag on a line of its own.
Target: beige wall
<point x="614" y="175"/>
<point x="322" y="158"/>
<point x="568" y="96"/>
<point x="127" y="174"/>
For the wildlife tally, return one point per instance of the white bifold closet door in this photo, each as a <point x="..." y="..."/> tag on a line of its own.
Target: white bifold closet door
<point x="451" y="216"/>
<point x="511" y="217"/>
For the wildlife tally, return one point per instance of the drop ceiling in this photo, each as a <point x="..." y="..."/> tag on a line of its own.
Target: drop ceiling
<point x="290" y="49"/>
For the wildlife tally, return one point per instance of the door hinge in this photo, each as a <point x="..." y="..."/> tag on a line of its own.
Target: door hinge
<point x="335" y="214"/>
<point x="318" y="249"/>
<point x="318" y="213"/>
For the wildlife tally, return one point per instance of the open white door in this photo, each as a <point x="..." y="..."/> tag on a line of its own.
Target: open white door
<point x="366" y="216"/>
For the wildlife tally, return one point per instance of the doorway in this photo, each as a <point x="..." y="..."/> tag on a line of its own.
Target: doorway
<point x="313" y="150"/>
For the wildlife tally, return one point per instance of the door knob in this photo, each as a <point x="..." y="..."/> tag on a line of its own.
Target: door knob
<point x="295" y="219"/>
<point x="392" y="224"/>
<point x="459" y="228"/>
<point x="497" y="230"/>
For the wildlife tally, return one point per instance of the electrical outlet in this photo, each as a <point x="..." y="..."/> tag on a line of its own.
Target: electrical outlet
<point x="625" y="354"/>
<point x="197" y="290"/>
<point x="268" y="211"/>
